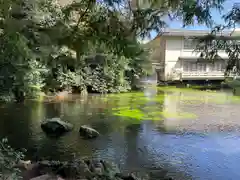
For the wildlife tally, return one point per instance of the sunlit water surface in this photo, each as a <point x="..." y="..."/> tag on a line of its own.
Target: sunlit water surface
<point x="192" y="134"/>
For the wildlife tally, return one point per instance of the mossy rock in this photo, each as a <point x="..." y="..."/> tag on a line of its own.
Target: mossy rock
<point x="56" y="126"/>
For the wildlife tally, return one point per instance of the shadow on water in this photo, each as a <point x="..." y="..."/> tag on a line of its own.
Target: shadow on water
<point x="191" y="134"/>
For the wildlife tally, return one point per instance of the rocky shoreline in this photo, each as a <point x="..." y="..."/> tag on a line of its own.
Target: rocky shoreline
<point x="78" y="169"/>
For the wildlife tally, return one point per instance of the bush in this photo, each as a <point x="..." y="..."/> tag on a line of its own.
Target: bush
<point x="8" y="159"/>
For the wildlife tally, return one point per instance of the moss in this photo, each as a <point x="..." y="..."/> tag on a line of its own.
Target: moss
<point x="137" y="107"/>
<point x="130" y="113"/>
<point x="154" y="114"/>
<point x="130" y="94"/>
<point x="158" y="98"/>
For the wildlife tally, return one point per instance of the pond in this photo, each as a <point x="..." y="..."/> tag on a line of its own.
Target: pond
<point x="192" y="134"/>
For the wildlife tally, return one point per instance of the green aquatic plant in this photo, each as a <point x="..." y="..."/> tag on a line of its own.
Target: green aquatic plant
<point x="135" y="105"/>
<point x="192" y="89"/>
<point x="151" y="113"/>
<point x="192" y="96"/>
<point x="176" y="89"/>
<point x="234" y="99"/>
<point x="169" y="114"/>
<point x="131" y="100"/>
<point x="128" y="94"/>
<point x="134" y="98"/>
<point x="159" y="98"/>
<point x="130" y="113"/>
<point x="211" y="99"/>
<point x="120" y="108"/>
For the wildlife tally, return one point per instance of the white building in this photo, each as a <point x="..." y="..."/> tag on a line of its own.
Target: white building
<point x="175" y="60"/>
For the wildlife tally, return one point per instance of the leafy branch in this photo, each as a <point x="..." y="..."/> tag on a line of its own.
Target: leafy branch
<point x="223" y="38"/>
<point x="8" y="159"/>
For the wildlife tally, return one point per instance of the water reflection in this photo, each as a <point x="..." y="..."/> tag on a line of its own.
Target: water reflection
<point x="215" y="111"/>
<point x="201" y="147"/>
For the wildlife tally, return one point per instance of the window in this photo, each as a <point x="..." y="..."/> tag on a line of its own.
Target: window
<point x="218" y="66"/>
<point x="185" y="66"/>
<point x="189" y="66"/>
<point x="210" y="67"/>
<point x="194" y="66"/>
<point x="201" y="67"/>
<point x="190" y="43"/>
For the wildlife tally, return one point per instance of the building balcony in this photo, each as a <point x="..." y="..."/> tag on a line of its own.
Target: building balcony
<point x="196" y="75"/>
<point x="194" y="69"/>
<point x="191" y="54"/>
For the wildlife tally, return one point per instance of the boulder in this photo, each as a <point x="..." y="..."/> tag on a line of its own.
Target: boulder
<point x="88" y="132"/>
<point x="69" y="170"/>
<point x="128" y="177"/>
<point x="96" y="167"/>
<point x="32" y="171"/>
<point x="81" y="169"/>
<point x="56" y="126"/>
<point x="47" y="177"/>
<point x="23" y="164"/>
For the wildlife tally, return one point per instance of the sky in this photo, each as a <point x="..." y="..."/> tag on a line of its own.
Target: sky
<point x="216" y="16"/>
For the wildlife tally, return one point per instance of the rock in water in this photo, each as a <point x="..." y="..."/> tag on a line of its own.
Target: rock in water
<point x="88" y="132"/>
<point x="23" y="164"/>
<point x="80" y="169"/>
<point x="47" y="177"/>
<point x="56" y="126"/>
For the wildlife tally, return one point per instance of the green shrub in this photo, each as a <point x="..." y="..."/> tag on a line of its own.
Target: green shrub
<point x="8" y="159"/>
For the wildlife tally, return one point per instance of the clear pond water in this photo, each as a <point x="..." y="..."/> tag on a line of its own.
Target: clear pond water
<point x="191" y="134"/>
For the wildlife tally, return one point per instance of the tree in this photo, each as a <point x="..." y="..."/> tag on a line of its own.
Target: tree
<point x="84" y="44"/>
<point x="223" y="37"/>
<point x="189" y="12"/>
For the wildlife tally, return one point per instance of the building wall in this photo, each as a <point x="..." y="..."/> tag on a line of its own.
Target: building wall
<point x="174" y="50"/>
<point x="174" y="47"/>
<point x="161" y="72"/>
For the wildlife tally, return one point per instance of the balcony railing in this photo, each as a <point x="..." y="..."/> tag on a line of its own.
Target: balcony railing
<point x="202" y="75"/>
